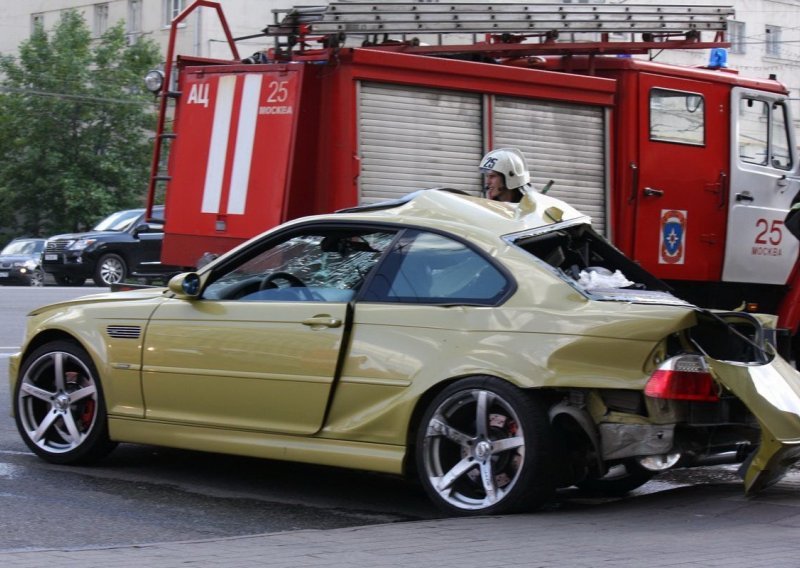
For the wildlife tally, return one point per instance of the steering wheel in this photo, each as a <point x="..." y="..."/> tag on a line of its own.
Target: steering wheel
<point x="269" y="280"/>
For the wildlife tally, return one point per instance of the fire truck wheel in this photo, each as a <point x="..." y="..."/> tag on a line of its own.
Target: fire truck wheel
<point x="64" y="280"/>
<point x="619" y="480"/>
<point x="111" y="269"/>
<point x="484" y="447"/>
<point x="59" y="407"/>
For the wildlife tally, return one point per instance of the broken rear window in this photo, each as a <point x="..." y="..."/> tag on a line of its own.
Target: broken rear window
<point x="592" y="265"/>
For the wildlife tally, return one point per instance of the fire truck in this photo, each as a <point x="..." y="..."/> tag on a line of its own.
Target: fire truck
<point x="689" y="171"/>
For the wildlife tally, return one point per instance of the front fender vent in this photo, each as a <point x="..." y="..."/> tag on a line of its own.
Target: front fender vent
<point x="124" y="331"/>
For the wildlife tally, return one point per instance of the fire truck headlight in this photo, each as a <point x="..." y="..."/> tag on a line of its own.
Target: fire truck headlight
<point x="154" y="80"/>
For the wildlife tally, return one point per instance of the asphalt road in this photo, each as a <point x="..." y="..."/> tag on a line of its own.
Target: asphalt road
<point x="143" y="494"/>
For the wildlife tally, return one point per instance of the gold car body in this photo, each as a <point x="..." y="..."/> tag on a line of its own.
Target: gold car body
<point x="265" y="380"/>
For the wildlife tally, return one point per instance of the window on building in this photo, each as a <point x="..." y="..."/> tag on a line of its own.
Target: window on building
<point x="37" y="20"/>
<point x="134" y="24"/>
<point x="171" y="9"/>
<point x="773" y="41"/>
<point x="676" y="116"/>
<point x="736" y="35"/>
<point x="100" y="19"/>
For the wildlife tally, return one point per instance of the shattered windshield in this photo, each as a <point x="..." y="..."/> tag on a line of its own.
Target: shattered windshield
<point x="589" y="263"/>
<point x="319" y="262"/>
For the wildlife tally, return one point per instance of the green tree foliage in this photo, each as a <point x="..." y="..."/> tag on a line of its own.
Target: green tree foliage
<point x="74" y="127"/>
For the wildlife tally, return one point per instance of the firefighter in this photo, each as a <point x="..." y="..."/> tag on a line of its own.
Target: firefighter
<point x="507" y="175"/>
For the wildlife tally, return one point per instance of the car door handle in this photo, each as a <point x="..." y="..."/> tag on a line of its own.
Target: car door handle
<point x="744" y="197"/>
<point x="652" y="192"/>
<point x="318" y="322"/>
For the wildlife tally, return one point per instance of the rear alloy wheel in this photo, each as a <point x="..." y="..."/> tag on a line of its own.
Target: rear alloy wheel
<point x="59" y="407"/>
<point x="111" y="269"/>
<point x="484" y="447"/>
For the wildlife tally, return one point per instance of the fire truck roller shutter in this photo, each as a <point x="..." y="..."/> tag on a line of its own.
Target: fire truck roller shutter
<point x="562" y="142"/>
<point x="412" y="138"/>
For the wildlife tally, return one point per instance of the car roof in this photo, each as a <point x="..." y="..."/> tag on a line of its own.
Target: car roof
<point x="445" y="208"/>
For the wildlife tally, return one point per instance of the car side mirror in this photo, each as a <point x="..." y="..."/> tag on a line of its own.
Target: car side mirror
<point x="141" y="228"/>
<point x="185" y="285"/>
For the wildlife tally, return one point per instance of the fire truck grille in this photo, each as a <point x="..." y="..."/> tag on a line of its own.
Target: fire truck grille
<point x="57" y="245"/>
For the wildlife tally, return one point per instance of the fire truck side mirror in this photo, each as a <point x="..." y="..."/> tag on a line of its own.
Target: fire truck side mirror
<point x="185" y="286"/>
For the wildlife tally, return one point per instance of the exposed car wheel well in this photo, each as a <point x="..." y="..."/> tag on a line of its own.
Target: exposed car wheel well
<point x="578" y="447"/>
<point x="48" y="337"/>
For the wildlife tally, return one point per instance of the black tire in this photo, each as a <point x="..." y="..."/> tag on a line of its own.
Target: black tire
<point x="36" y="279"/>
<point x="484" y="447"/>
<point x="66" y="280"/>
<point x="59" y="406"/>
<point x="110" y="269"/>
<point x="620" y="479"/>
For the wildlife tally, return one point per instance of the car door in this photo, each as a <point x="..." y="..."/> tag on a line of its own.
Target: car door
<point x="147" y="254"/>
<point x="259" y="349"/>
<point x="427" y="299"/>
<point x="683" y="178"/>
<point x="763" y="183"/>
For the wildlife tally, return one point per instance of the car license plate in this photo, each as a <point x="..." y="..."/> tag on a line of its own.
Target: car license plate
<point x="3" y="274"/>
<point x="51" y="257"/>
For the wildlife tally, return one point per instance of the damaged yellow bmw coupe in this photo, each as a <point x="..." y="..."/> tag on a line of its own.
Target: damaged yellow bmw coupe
<point x="497" y="351"/>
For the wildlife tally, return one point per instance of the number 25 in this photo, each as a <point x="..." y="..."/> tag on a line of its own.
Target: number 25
<point x="772" y="229"/>
<point x="278" y="93"/>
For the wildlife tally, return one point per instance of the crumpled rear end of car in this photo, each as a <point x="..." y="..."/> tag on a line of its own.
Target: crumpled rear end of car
<point x="735" y="383"/>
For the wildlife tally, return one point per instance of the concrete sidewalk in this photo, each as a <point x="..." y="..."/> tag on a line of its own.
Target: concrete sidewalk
<point x="692" y="526"/>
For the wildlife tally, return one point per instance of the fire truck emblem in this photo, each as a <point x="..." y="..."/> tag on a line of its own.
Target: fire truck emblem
<point x="672" y="236"/>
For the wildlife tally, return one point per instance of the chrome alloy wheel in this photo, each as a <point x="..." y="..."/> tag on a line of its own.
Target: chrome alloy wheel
<point x="57" y="403"/>
<point x="473" y="449"/>
<point x="111" y="270"/>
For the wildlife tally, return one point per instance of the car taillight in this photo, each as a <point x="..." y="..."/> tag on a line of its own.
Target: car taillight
<point x="685" y="377"/>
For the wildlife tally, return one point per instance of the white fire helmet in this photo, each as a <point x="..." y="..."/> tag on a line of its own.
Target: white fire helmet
<point x="510" y="163"/>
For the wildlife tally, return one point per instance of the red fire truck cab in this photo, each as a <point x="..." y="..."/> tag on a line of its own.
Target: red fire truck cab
<point x="689" y="171"/>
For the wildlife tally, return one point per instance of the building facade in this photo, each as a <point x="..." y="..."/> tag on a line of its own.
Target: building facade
<point x="765" y="34"/>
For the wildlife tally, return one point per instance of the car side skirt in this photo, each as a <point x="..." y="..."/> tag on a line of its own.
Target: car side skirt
<point x="337" y="453"/>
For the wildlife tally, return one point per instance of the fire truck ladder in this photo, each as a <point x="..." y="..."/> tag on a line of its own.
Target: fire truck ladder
<point x="505" y="24"/>
<point x="166" y="95"/>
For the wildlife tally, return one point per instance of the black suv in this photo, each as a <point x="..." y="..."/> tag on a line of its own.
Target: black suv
<point x="122" y="245"/>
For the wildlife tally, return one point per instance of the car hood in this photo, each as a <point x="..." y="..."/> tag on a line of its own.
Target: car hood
<point x="87" y="235"/>
<point x="129" y="296"/>
<point x="772" y="393"/>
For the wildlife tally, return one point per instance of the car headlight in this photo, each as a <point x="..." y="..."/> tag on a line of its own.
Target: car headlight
<point x="81" y="244"/>
<point x="26" y="264"/>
